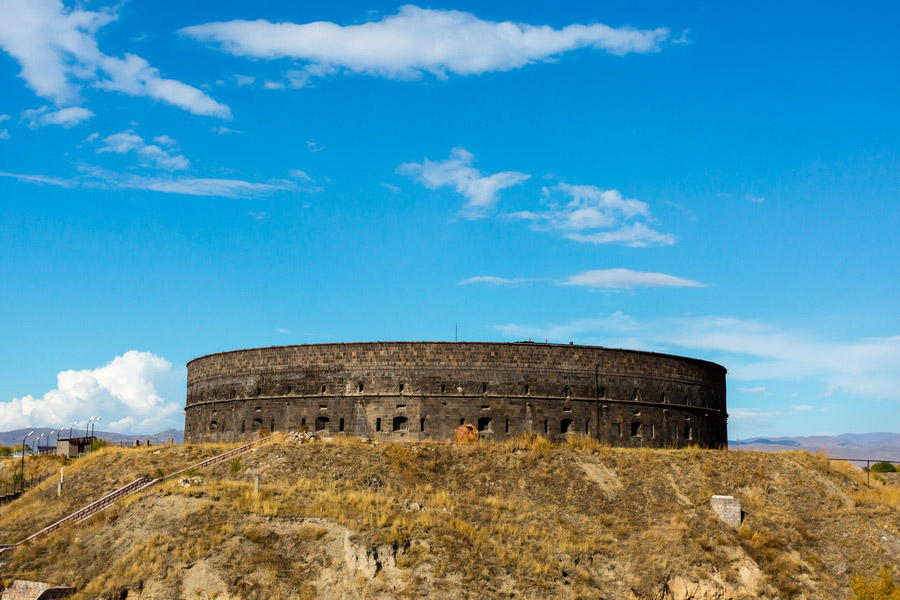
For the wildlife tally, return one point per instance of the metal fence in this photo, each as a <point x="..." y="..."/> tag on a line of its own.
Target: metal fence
<point x="10" y="490"/>
<point x="868" y="467"/>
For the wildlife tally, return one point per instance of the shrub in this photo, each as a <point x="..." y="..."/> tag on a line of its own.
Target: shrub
<point x="883" y="467"/>
<point x="235" y="466"/>
<point x="97" y="444"/>
<point x="5" y="450"/>
<point x="880" y="588"/>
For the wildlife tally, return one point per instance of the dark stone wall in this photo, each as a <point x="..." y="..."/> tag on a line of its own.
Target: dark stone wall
<point x="424" y="390"/>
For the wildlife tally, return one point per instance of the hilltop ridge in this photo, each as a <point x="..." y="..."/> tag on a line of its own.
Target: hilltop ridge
<point x="520" y="519"/>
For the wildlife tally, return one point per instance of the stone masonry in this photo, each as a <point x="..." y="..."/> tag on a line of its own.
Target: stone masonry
<point x="410" y="391"/>
<point x="35" y="590"/>
<point x="728" y="508"/>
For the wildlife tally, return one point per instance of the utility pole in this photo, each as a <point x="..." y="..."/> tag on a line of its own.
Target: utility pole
<point x="30" y="433"/>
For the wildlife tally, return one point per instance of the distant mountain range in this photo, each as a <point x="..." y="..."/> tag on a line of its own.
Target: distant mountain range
<point x="10" y="438"/>
<point x="878" y="446"/>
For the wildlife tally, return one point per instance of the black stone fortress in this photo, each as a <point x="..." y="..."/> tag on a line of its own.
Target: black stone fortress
<point x="424" y="390"/>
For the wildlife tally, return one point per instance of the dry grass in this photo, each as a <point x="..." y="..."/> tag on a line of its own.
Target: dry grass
<point x="522" y="518"/>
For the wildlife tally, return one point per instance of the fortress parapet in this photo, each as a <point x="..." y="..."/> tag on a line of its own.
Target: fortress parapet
<point x="425" y="390"/>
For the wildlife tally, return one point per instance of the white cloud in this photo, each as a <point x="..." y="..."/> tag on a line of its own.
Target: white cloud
<point x="751" y="416"/>
<point x="150" y="154"/>
<point x="683" y="38"/>
<point x="65" y="117"/>
<point x="491" y="280"/>
<point x="4" y="134"/>
<point x="96" y="177"/>
<point x="759" y="390"/>
<point x="138" y="392"/>
<point x="244" y="79"/>
<point x="417" y="41"/>
<point x="259" y="216"/>
<point x="57" y="50"/>
<point x="313" y="147"/>
<point x="754" y="199"/>
<point x="828" y="392"/>
<point x="799" y="409"/>
<point x="4" y="118"/>
<point x="480" y="191"/>
<point x="164" y="140"/>
<point x="626" y="278"/>
<point x="222" y="130"/>
<point x="596" y="216"/>
<point x="752" y="351"/>
<point x="301" y="175"/>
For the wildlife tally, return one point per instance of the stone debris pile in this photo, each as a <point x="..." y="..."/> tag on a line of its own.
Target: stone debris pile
<point x="301" y="437"/>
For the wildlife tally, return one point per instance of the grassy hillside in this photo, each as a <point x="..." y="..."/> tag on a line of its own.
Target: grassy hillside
<point x="522" y="519"/>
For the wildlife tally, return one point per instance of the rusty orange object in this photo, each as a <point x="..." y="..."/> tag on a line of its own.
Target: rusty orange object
<point x="465" y="434"/>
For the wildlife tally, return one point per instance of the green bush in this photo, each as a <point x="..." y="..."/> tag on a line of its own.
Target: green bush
<point x="235" y="466"/>
<point x="97" y="444"/>
<point x="5" y="450"/>
<point x="883" y="467"/>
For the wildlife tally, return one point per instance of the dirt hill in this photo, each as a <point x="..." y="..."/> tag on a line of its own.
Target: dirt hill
<point x="516" y="520"/>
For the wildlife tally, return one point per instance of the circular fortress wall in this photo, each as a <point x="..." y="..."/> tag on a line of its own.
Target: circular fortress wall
<point x="425" y="390"/>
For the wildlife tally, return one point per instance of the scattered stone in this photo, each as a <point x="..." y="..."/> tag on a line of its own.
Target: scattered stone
<point x="373" y="482"/>
<point x="301" y="437"/>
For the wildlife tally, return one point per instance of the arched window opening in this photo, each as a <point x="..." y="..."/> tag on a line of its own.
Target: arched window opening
<point x="587" y="427"/>
<point x="341" y="425"/>
<point x="400" y="424"/>
<point x="360" y="387"/>
<point x="462" y="420"/>
<point x="664" y="398"/>
<point x="566" y="426"/>
<point x="259" y="391"/>
<point x="635" y="395"/>
<point x="303" y="422"/>
<point x="507" y="426"/>
<point x="322" y="424"/>
<point x="652" y="430"/>
<point x="603" y="392"/>
<point x="688" y="432"/>
<point x="402" y="387"/>
<point x="288" y="390"/>
<point x="485" y="424"/>
<point x="527" y="389"/>
<point x="212" y="425"/>
<point x="637" y="429"/>
<point x="546" y="426"/>
<point x="378" y="424"/>
<point x="256" y="425"/>
<point x="619" y="429"/>
<point x="566" y="392"/>
<point x="422" y="424"/>
<point x="484" y="388"/>
<point x="443" y="388"/>
<point x="322" y="391"/>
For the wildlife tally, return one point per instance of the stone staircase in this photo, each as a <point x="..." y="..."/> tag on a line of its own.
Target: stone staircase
<point x="132" y="488"/>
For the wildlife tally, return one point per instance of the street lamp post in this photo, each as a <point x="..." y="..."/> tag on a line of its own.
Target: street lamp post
<point x="30" y="433"/>
<point x="96" y="420"/>
<point x="70" y="432"/>
<point x="88" y="426"/>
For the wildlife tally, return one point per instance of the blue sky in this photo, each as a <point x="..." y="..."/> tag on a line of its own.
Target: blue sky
<point x="712" y="180"/>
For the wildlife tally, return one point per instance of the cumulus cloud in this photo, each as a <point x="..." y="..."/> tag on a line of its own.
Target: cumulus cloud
<point x="491" y="280"/>
<point x="759" y="390"/>
<point x="99" y="178"/>
<point x="222" y="130"/>
<point x="137" y="392"/>
<point x="596" y="216"/>
<point x="65" y="117"/>
<point x="125" y="142"/>
<point x="57" y="50"/>
<point x="4" y="134"/>
<point x="626" y="278"/>
<point x="480" y="191"/>
<point x="416" y="41"/>
<point x="751" y="350"/>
